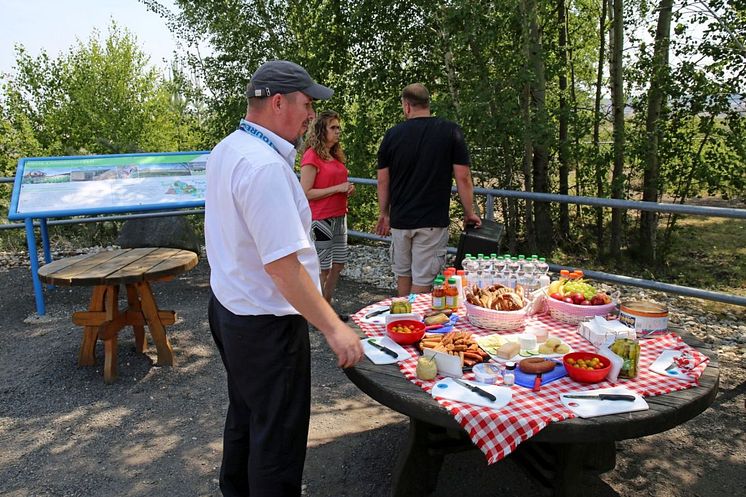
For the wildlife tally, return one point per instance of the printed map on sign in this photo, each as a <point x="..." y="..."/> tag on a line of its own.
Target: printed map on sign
<point x="77" y="185"/>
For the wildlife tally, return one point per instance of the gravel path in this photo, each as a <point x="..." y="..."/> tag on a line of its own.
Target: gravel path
<point x="157" y="431"/>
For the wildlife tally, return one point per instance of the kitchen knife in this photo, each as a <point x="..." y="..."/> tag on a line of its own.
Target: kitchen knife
<point x="377" y="313"/>
<point x="383" y="349"/>
<point x="476" y="390"/>
<point x="603" y="396"/>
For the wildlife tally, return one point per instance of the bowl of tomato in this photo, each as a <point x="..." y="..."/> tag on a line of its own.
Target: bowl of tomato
<point x="586" y="367"/>
<point x="405" y="331"/>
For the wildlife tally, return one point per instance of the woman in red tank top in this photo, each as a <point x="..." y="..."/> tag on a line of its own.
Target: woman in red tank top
<point x="323" y="177"/>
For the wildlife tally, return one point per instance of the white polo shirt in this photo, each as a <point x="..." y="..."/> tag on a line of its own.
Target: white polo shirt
<point x="255" y="213"/>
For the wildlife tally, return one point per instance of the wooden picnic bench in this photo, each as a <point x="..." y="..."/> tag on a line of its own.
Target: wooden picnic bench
<point x="106" y="271"/>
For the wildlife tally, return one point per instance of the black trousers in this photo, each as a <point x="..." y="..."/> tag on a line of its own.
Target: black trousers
<point x="268" y="361"/>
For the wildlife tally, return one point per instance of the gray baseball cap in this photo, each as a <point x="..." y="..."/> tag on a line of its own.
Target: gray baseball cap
<point x="282" y="76"/>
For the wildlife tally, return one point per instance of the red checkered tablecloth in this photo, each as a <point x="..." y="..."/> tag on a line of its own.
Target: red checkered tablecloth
<point x="497" y="432"/>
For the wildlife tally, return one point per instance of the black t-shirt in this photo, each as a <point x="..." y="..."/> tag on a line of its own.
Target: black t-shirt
<point x="420" y="154"/>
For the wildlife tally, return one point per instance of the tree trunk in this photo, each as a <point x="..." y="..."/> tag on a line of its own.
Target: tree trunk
<point x="539" y="135"/>
<point x="600" y="166"/>
<point x="564" y="113"/>
<point x="656" y="100"/>
<point x="616" y="48"/>
<point x="528" y="149"/>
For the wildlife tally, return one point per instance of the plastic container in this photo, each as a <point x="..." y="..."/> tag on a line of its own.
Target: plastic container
<point x="586" y="375"/>
<point x="648" y="319"/>
<point x="486" y="372"/>
<point x="408" y="337"/>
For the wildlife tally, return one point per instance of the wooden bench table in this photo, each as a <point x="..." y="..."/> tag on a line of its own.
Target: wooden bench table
<point x="106" y="271"/>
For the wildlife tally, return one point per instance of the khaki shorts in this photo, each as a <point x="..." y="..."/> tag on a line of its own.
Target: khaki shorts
<point x="419" y="253"/>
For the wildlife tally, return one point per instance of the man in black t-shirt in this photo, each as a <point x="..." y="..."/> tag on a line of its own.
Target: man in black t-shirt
<point x="417" y="161"/>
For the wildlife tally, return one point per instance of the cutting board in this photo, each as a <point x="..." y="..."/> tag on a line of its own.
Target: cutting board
<point x="378" y="356"/>
<point x="527" y="380"/>
<point x="450" y="390"/>
<point x="590" y="408"/>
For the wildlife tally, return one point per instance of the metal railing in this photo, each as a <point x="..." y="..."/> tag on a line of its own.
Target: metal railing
<point x="491" y="194"/>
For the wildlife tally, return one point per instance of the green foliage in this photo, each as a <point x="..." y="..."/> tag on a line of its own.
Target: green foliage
<point x="100" y="97"/>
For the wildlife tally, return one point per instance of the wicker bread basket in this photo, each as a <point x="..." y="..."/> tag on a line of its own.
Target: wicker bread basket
<point x="494" y="320"/>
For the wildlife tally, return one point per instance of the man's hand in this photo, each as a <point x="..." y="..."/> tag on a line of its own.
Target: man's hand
<point x="351" y="189"/>
<point x="383" y="228"/>
<point x="472" y="219"/>
<point x="346" y="345"/>
<point x="295" y="284"/>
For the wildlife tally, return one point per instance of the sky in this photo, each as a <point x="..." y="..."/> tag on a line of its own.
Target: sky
<point x="54" y="26"/>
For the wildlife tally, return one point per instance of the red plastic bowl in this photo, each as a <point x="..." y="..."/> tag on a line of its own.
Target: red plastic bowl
<point x="586" y="375"/>
<point x="406" y="338"/>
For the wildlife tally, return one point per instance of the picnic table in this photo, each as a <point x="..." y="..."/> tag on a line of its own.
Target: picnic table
<point x="106" y="271"/>
<point x="556" y="453"/>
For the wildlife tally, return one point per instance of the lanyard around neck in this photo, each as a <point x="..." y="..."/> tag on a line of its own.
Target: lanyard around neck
<point x="245" y="126"/>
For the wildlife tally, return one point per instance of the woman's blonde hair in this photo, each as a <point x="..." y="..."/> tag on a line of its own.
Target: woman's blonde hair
<point x="317" y="137"/>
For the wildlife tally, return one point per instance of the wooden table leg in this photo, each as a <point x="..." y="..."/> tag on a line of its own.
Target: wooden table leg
<point x="87" y="354"/>
<point x="574" y="459"/>
<point x="157" y="330"/>
<point x="133" y="304"/>
<point x="111" y="303"/>
<point x="417" y="468"/>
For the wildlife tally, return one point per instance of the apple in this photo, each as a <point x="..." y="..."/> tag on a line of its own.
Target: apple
<point x="600" y="299"/>
<point x="577" y="298"/>
<point x="557" y="296"/>
<point x="567" y="300"/>
<point x="585" y="302"/>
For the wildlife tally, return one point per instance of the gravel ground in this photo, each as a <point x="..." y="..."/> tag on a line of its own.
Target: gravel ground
<point x="157" y="431"/>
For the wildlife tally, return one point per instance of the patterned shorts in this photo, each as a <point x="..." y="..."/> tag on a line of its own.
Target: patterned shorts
<point x="330" y="236"/>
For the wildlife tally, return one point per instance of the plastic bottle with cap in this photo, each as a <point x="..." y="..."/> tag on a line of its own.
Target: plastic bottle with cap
<point x="465" y="266"/>
<point x="542" y="269"/>
<point x="438" y="294"/>
<point x="512" y="277"/>
<point x="451" y="291"/>
<point x="462" y="284"/>
<point x="509" y="373"/>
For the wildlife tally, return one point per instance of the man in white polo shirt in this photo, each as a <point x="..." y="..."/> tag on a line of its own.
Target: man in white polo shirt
<point x="265" y="285"/>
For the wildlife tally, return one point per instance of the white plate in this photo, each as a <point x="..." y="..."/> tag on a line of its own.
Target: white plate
<point x="521" y="355"/>
<point x="450" y="390"/>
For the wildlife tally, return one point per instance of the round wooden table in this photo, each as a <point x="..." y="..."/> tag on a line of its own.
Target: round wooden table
<point x="106" y="271"/>
<point x="556" y="456"/>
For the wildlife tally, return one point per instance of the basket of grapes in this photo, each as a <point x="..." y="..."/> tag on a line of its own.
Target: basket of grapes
<point x="575" y="300"/>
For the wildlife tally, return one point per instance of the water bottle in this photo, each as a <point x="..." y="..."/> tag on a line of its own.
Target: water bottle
<point x="529" y="281"/>
<point x="480" y="270"/>
<point x="512" y="277"/>
<point x="472" y="269"/>
<point x="465" y="266"/>
<point x="493" y="270"/>
<point x="543" y="271"/>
